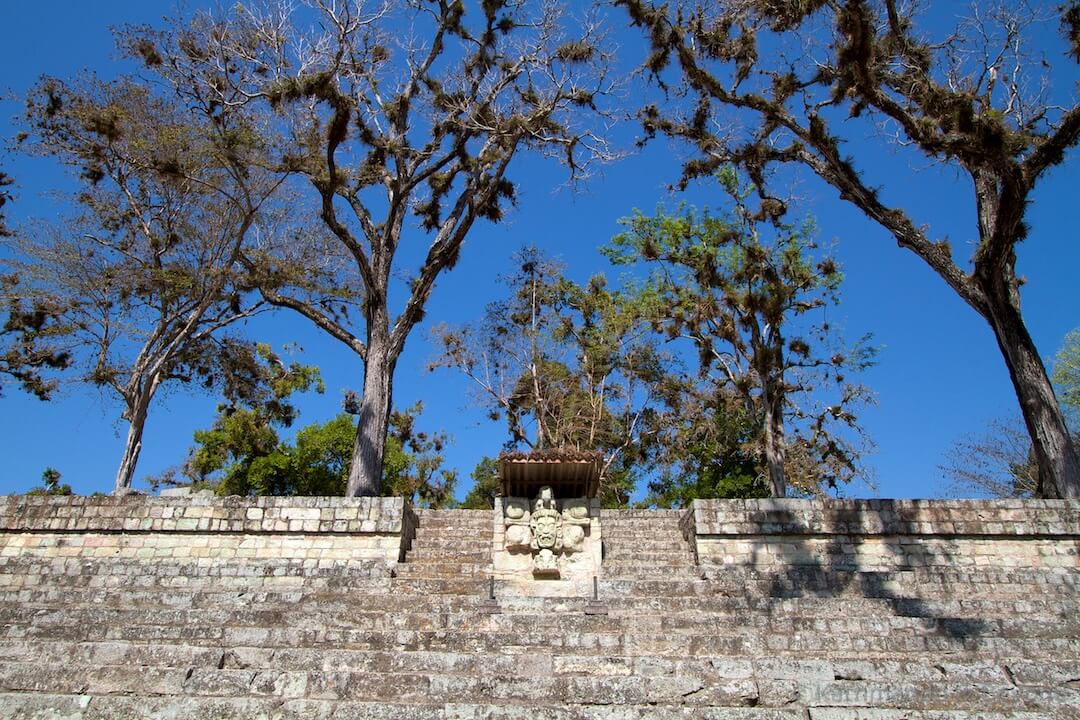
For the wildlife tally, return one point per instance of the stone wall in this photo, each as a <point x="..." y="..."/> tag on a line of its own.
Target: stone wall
<point x="195" y="528"/>
<point x="882" y="535"/>
<point x="305" y="609"/>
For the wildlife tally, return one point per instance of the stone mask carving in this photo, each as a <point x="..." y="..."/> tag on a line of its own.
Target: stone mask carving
<point x="546" y="522"/>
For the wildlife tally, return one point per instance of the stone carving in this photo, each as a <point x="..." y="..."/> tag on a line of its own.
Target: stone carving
<point x="545" y="563"/>
<point x="573" y="537"/>
<point x="518" y="537"/>
<point x="546" y="522"/>
<point x="576" y="510"/>
<point x="516" y="510"/>
<point x="550" y="528"/>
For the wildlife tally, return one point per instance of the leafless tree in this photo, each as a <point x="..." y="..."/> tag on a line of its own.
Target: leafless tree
<point x="404" y="118"/>
<point x="147" y="273"/>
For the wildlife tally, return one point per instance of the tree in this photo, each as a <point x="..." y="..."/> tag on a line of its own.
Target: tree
<point x="242" y="454"/>
<point x="258" y="400"/>
<point x="710" y="449"/>
<point x="741" y="287"/>
<point x="1067" y="371"/>
<point x="419" y="475"/>
<point x="390" y="131"/>
<point x="998" y="463"/>
<point x="28" y="347"/>
<point x="144" y="279"/>
<point x="567" y="366"/>
<point x="485" y="487"/>
<point x="5" y="198"/>
<point x="973" y="100"/>
<point x="26" y="350"/>
<point x="51" y="485"/>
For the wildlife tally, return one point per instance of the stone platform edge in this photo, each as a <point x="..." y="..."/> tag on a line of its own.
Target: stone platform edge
<point x="202" y="514"/>
<point x="869" y="517"/>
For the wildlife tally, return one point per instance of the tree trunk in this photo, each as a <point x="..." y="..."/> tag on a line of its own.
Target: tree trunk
<point x="1059" y="468"/>
<point x="774" y="440"/>
<point x="132" y="447"/>
<point x="366" y="468"/>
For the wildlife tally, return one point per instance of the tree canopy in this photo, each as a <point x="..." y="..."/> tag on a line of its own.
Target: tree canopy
<point x="763" y="83"/>
<point x="749" y="292"/>
<point x="326" y="162"/>
<point x="402" y="142"/>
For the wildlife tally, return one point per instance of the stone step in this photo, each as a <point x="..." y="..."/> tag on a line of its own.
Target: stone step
<point x="989" y="692"/>
<point x="33" y="572"/>
<point x="495" y="631"/>
<point x="448" y="568"/>
<point x="651" y="566"/>
<point x="642" y="530"/>
<point x="452" y="529"/>
<point x="454" y="611"/>
<point x="727" y="642"/>
<point x="716" y="582"/>
<point x="1050" y="610"/>
<point x="941" y="668"/>
<point x="106" y="707"/>
<point x="434" y="555"/>
<point x="443" y="538"/>
<point x="779" y="586"/>
<point x="646" y="550"/>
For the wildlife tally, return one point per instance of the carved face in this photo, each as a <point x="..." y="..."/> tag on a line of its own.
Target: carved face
<point x="546" y="531"/>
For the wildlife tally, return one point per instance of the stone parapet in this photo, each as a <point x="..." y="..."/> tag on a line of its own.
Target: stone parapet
<point x="197" y="513"/>
<point x="887" y="535"/>
<point x="316" y="529"/>
<point x="1043" y="518"/>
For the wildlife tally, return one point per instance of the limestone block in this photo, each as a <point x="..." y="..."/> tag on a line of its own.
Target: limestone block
<point x="573" y="538"/>
<point x="576" y="510"/>
<point x="518" y="537"/>
<point x="516" y="510"/>
<point x="545" y="563"/>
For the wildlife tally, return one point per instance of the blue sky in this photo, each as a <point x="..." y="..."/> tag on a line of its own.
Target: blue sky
<point x="939" y="376"/>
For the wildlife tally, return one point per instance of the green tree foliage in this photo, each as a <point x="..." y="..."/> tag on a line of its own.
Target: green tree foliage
<point x="568" y="366"/>
<point x="242" y="453"/>
<point x="749" y="291"/>
<point x="485" y="477"/>
<point x="259" y="399"/>
<point x="1067" y="372"/>
<point x="419" y="474"/>
<point x="403" y="144"/>
<point x="315" y="464"/>
<point x="142" y="279"/>
<point x="50" y="484"/>
<point x="710" y="449"/>
<point x="761" y="83"/>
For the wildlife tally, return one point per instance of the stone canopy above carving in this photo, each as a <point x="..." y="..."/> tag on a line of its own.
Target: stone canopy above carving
<point x="570" y="473"/>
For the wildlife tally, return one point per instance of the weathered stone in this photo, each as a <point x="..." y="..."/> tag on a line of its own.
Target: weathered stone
<point x="827" y="610"/>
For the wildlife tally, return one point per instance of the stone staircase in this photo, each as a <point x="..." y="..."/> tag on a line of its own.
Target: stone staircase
<point x="348" y="639"/>
<point x="646" y="544"/>
<point x="451" y="554"/>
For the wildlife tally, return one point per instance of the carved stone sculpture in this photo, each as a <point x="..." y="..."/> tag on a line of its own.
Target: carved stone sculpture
<point x="546" y="563"/>
<point x="516" y="510"/>
<point x="518" y="537"/>
<point x="546" y="524"/>
<point x="576" y="510"/>
<point x="550" y="528"/>
<point x="573" y="538"/>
